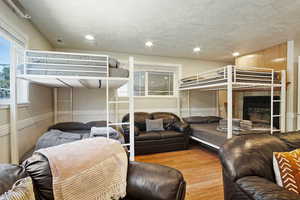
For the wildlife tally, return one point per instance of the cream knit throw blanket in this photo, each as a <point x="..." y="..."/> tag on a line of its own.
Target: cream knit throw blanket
<point x="90" y="169"/>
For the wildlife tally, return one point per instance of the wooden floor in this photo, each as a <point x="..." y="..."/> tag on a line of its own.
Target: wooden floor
<point x="200" y="168"/>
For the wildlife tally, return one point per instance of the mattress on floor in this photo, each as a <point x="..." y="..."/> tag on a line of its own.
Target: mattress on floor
<point x="208" y="132"/>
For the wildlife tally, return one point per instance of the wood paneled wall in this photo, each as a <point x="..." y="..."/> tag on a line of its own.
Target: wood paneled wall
<point x="274" y="57"/>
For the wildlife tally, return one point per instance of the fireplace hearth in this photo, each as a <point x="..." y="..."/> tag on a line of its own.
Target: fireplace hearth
<point x="258" y="109"/>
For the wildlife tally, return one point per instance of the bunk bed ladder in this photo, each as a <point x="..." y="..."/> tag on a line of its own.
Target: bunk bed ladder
<point x="116" y="103"/>
<point x="281" y="101"/>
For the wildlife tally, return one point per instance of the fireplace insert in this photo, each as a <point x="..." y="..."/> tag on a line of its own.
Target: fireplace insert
<point x="258" y="110"/>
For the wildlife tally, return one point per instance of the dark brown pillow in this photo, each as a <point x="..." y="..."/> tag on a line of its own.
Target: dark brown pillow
<point x="69" y="126"/>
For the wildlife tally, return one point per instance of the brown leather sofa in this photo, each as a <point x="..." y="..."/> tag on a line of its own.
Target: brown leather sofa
<point x="174" y="137"/>
<point x="144" y="181"/>
<point x="248" y="168"/>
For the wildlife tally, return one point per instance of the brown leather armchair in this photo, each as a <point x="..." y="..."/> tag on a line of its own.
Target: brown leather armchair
<point x="144" y="181"/>
<point x="174" y="137"/>
<point x="248" y="168"/>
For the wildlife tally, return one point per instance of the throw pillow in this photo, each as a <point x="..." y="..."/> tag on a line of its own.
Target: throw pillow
<point x="287" y="170"/>
<point x="154" y="125"/>
<point x="21" y="190"/>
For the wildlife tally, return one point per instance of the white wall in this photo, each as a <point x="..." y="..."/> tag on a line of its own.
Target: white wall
<point x="202" y="103"/>
<point x="35" y="117"/>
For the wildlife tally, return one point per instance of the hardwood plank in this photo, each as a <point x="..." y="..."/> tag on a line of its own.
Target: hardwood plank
<point x="201" y="169"/>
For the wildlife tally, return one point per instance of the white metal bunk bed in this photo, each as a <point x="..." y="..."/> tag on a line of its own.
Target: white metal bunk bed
<point x="73" y="70"/>
<point x="230" y="78"/>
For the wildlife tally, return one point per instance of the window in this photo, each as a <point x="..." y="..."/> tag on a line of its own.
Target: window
<point x="160" y="83"/>
<point x="151" y="84"/>
<point x="4" y="68"/>
<point x="11" y="55"/>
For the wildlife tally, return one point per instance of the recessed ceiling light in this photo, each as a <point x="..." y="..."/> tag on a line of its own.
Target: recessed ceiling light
<point x="197" y="49"/>
<point x="89" y="37"/>
<point x="149" y="44"/>
<point x="235" y="54"/>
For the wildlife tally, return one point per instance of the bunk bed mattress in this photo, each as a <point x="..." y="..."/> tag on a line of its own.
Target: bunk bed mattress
<point x="118" y="72"/>
<point x="113" y="72"/>
<point x="56" y="137"/>
<point x="208" y="133"/>
<point x="241" y="76"/>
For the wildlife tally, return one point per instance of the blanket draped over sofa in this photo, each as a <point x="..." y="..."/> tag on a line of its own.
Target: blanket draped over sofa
<point x="90" y="169"/>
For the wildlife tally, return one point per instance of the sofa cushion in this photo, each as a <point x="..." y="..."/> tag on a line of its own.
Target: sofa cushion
<point x="148" y="136"/>
<point x="154" y="125"/>
<point x="171" y="134"/>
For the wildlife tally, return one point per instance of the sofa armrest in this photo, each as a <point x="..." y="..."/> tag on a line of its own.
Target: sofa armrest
<point x="151" y="181"/>
<point x="262" y="189"/>
<point x="182" y="126"/>
<point x="126" y="130"/>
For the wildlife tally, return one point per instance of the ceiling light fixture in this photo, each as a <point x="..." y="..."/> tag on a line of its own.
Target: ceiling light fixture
<point x="149" y="44"/>
<point x="197" y="49"/>
<point x="89" y="37"/>
<point x="235" y="54"/>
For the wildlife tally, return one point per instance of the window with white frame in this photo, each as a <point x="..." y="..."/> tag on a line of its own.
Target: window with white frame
<point x="155" y="81"/>
<point x="11" y="55"/>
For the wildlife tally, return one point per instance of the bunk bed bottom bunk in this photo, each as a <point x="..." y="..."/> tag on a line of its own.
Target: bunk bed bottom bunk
<point x="208" y="134"/>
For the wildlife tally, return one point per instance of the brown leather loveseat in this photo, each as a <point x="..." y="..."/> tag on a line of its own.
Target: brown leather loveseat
<point x="174" y="137"/>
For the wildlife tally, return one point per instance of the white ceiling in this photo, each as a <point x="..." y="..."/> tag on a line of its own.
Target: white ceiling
<point x="219" y="27"/>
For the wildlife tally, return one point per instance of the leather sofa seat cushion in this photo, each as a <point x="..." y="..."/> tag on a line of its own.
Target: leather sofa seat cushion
<point x="251" y="155"/>
<point x="171" y="134"/>
<point x="148" y="136"/>
<point x="9" y="175"/>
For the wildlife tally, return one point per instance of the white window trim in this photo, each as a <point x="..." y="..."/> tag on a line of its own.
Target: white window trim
<point x="4" y="103"/>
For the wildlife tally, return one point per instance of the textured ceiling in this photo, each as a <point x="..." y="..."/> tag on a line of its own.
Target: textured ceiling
<point x="219" y="27"/>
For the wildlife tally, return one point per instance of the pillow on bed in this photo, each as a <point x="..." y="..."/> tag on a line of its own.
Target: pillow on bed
<point x="213" y="119"/>
<point x="196" y="120"/>
<point x="202" y="119"/>
<point x="69" y="126"/>
<point x="96" y="124"/>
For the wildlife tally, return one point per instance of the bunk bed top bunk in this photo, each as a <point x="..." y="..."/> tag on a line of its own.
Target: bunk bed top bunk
<point x="242" y="78"/>
<point x="63" y="69"/>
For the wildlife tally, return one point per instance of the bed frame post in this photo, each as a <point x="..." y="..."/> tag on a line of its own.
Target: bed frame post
<point x="188" y="103"/>
<point x="283" y="102"/>
<point x="131" y="107"/>
<point x="229" y="101"/>
<point x="55" y="104"/>
<point x="14" y="147"/>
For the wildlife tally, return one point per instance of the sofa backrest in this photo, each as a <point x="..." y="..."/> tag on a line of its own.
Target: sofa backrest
<point x="9" y="174"/>
<point x="139" y="120"/>
<point x="251" y="155"/>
